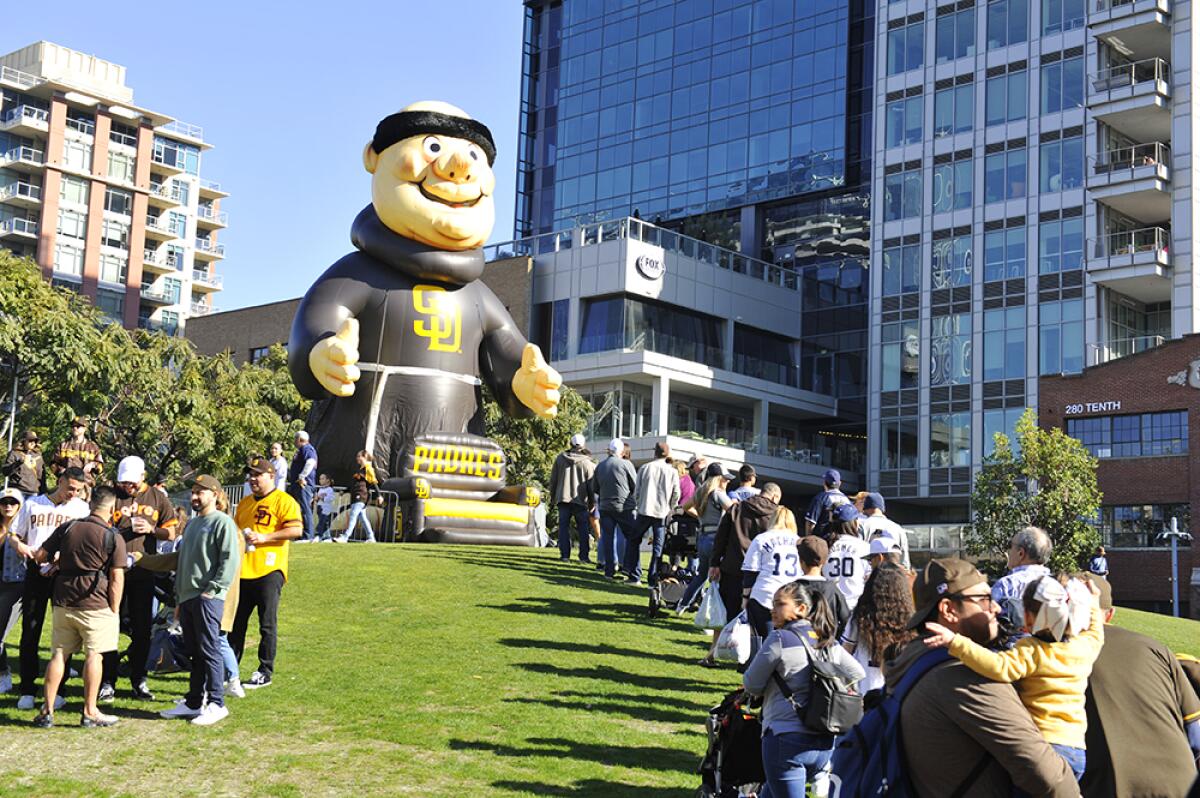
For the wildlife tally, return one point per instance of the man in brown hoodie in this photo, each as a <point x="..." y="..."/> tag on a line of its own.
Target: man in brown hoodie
<point x="962" y="733"/>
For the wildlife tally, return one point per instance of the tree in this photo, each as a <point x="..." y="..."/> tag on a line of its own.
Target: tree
<point x="532" y="443"/>
<point x="1051" y="484"/>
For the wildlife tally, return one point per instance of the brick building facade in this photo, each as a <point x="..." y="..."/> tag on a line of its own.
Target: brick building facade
<point x="1140" y="415"/>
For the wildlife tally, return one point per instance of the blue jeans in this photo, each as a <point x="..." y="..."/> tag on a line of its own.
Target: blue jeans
<point x="231" y="663"/>
<point x="1076" y="758"/>
<point x="615" y="528"/>
<point x="304" y="495"/>
<point x="358" y="510"/>
<point x="658" y="528"/>
<point x="323" y="521"/>
<point x="791" y="760"/>
<point x="582" y="528"/>
<point x="704" y="547"/>
<point x="201" y="621"/>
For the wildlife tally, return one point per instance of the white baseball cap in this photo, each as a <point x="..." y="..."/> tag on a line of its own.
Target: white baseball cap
<point x="616" y="445"/>
<point x="131" y="469"/>
<point x="883" y="545"/>
<point x="578" y="440"/>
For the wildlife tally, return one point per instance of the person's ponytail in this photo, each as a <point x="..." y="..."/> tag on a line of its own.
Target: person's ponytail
<point x="822" y="618"/>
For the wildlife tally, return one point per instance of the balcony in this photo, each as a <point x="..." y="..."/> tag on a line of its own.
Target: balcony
<point x="1122" y="347"/>
<point x="181" y="128"/>
<point x="210" y="189"/>
<point x="166" y="163"/>
<point x="159" y="262"/>
<point x="1134" y="98"/>
<point x="21" y="194"/>
<point x="1139" y="26"/>
<point x="159" y="229"/>
<point x="22" y="80"/>
<point x="210" y="218"/>
<point x="209" y="250"/>
<point x="1136" y="263"/>
<point x="26" y="229"/>
<point x="165" y="195"/>
<point x="25" y="120"/>
<point x="205" y="280"/>
<point x="85" y="126"/>
<point x="23" y="159"/>
<point x="159" y="296"/>
<point x="1134" y="181"/>
<point x="202" y="308"/>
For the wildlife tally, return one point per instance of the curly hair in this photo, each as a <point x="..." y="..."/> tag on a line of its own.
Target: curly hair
<point x="883" y="612"/>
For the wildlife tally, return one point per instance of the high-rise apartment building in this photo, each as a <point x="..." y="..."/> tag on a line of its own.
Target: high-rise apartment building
<point x="1033" y="216"/>
<point x="105" y="195"/>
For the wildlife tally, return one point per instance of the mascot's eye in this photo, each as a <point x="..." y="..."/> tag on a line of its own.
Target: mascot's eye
<point x="474" y="154"/>
<point x="432" y="146"/>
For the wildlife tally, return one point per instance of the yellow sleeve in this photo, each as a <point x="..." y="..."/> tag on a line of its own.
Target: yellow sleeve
<point x="369" y="473"/>
<point x="999" y="666"/>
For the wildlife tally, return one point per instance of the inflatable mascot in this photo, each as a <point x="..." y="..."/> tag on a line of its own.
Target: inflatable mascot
<point x="395" y="339"/>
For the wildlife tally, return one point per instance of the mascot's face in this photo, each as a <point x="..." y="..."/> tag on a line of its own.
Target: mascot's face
<point x="433" y="188"/>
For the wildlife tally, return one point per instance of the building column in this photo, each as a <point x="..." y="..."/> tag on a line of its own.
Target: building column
<point x="51" y="186"/>
<point x="660" y="405"/>
<point x="96" y="191"/>
<point x="751" y="234"/>
<point x="727" y="345"/>
<point x="762" y="421"/>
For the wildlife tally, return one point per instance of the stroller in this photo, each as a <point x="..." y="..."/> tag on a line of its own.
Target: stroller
<point x="732" y="765"/>
<point x="679" y="544"/>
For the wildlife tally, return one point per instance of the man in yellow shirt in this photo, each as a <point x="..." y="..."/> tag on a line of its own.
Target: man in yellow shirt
<point x="269" y="519"/>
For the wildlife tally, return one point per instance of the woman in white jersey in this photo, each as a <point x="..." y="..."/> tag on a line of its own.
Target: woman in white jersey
<point x="846" y="566"/>
<point x="771" y="562"/>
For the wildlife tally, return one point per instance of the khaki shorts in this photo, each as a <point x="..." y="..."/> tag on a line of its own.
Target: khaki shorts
<point x="93" y="631"/>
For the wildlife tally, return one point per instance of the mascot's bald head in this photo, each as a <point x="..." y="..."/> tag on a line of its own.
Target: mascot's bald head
<point x="432" y="179"/>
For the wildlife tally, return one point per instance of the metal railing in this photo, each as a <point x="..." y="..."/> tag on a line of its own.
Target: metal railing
<point x="208" y="278"/>
<point x="211" y="185"/>
<point x="160" y="225"/>
<point x="1122" y="75"/>
<point x="117" y="137"/>
<point x="167" y="191"/>
<point x="182" y="129"/>
<point x="22" y="79"/>
<point x="1132" y="242"/>
<point x="212" y="214"/>
<point x="1107" y="351"/>
<point x="167" y="260"/>
<point x="201" y="308"/>
<point x="21" y="189"/>
<point x="204" y="245"/>
<point x="1109" y="5"/>
<point x="1154" y="153"/>
<point x="24" y="155"/>
<point x="25" y="112"/>
<point x="18" y="226"/>
<point x="82" y="125"/>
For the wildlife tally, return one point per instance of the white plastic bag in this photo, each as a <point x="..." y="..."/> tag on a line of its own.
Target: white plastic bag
<point x="736" y="641"/>
<point x="711" y="614"/>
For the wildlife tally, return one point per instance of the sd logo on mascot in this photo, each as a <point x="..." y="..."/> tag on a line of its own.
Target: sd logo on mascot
<point x="396" y="338"/>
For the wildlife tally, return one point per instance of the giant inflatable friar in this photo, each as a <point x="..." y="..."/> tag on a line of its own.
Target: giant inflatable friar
<point x="395" y="339"/>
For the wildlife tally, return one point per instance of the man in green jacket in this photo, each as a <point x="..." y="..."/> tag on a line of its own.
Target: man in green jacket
<point x="208" y="564"/>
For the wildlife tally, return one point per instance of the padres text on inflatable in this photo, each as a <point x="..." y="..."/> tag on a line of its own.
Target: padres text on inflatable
<point x="461" y="494"/>
<point x="395" y="339"/>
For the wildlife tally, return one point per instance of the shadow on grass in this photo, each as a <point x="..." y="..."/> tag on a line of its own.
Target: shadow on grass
<point x="550" y="570"/>
<point x="637" y="710"/>
<point x="592" y="648"/>
<point x="640" y="757"/>
<point x="595" y="788"/>
<point x="562" y="608"/>
<point x="624" y="678"/>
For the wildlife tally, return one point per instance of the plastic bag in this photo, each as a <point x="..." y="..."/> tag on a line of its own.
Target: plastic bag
<point x="711" y="614"/>
<point x="736" y="641"/>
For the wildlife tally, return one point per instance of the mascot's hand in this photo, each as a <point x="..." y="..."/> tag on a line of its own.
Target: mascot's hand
<point x="333" y="360"/>
<point x="536" y="384"/>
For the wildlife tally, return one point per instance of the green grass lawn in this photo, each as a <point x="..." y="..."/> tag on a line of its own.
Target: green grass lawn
<point x="432" y="671"/>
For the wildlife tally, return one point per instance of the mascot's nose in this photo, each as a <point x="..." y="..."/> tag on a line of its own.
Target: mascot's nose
<point x="454" y="166"/>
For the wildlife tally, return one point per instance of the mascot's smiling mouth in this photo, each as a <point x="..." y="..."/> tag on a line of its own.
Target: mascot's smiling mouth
<point x="430" y="196"/>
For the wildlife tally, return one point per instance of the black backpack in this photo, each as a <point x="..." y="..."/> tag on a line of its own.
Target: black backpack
<point x="834" y="706"/>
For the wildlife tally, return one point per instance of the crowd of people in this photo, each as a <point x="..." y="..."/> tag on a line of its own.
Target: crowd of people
<point x="94" y="548"/>
<point x="1023" y="687"/>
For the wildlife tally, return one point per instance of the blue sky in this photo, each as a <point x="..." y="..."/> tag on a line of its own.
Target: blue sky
<point x="288" y="98"/>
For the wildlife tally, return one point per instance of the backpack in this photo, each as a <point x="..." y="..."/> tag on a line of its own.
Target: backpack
<point x="869" y="760"/>
<point x="829" y="502"/>
<point x="834" y="706"/>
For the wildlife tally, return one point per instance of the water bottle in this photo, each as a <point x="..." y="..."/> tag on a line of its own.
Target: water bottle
<point x="246" y="534"/>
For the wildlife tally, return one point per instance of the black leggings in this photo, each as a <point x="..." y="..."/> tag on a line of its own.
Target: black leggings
<point x="760" y="618"/>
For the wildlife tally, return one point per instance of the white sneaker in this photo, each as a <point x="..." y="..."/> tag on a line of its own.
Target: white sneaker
<point x="210" y="714"/>
<point x="26" y="702"/>
<point x="6" y="682"/>
<point x="234" y="688"/>
<point x="181" y="710"/>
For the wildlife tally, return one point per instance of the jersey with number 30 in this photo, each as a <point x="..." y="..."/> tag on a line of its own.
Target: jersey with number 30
<point x="772" y="555"/>
<point x="847" y="568"/>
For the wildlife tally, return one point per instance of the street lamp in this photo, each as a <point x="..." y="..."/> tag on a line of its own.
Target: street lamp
<point x="1174" y="535"/>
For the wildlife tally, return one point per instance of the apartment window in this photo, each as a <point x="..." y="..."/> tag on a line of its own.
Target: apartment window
<point x="1060" y="333"/>
<point x="77" y="155"/>
<point x="1060" y="245"/>
<point x="1143" y="435"/>
<point x="68" y="259"/>
<point x="954" y="36"/>
<point x="1139" y="525"/>
<point x="899" y="443"/>
<point x="177" y="223"/>
<point x="950" y="349"/>
<point x="1059" y="16"/>
<point x="623" y="323"/>
<point x="181" y="191"/>
<point x="901" y="269"/>
<point x="115" y="233"/>
<point x="120" y="166"/>
<point x="118" y="201"/>
<point x="1007" y="98"/>
<point x="113" y="268"/>
<point x="177" y="154"/>
<point x="1004" y="343"/>
<point x="1062" y="164"/>
<point x="72" y="224"/>
<point x="111" y="304"/>
<point x="952" y="186"/>
<point x="170" y="322"/>
<point x="1004" y="254"/>
<point x="953" y="110"/>
<point x="122" y="134"/>
<point x="1062" y="85"/>
<point x="74" y="190"/>
<point x="952" y="261"/>
<point x="175" y="257"/>
<point x="902" y="194"/>
<point x="905" y="48"/>
<point x="1007" y="22"/>
<point x="1004" y="175"/>
<point x="903" y="121"/>
<point x="259" y="353"/>
<point x="950" y="440"/>
<point x="901" y="355"/>
<point x="1001" y="420"/>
